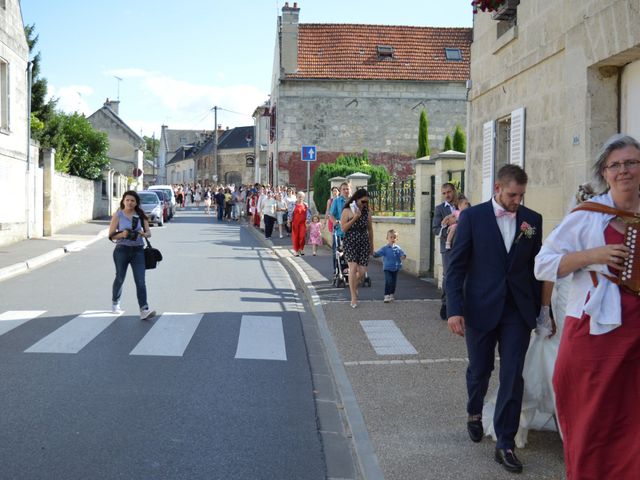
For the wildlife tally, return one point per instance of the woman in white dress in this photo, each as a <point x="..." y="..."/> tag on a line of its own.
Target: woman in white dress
<point x="538" y="402"/>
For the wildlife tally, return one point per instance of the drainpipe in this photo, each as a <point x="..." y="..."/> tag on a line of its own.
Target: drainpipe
<point x="29" y="173"/>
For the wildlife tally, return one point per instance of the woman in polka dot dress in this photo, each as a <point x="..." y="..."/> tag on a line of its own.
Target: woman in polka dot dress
<point x="358" y="239"/>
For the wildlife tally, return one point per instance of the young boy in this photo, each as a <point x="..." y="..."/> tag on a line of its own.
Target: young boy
<point x="392" y="256"/>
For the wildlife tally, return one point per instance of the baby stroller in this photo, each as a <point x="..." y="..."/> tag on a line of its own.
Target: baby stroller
<point x="340" y="266"/>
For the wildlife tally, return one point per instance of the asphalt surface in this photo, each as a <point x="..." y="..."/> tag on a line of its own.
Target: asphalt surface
<point x="103" y="413"/>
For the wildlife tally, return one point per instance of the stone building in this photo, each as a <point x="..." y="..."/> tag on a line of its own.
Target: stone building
<point x="20" y="176"/>
<point x="126" y="147"/>
<point x="170" y="141"/>
<point x="346" y="88"/>
<point x="180" y="168"/>
<point x="232" y="162"/>
<point x="551" y="82"/>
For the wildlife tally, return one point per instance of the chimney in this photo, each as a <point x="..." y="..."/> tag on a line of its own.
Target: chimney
<point x="113" y="105"/>
<point x="288" y="31"/>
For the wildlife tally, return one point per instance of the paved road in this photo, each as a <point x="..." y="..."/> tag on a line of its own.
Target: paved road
<point x="198" y="393"/>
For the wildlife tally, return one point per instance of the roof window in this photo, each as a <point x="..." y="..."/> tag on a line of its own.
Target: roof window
<point x="453" y="54"/>
<point x="385" y="51"/>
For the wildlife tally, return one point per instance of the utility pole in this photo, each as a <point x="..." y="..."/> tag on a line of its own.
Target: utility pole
<point x="215" y="143"/>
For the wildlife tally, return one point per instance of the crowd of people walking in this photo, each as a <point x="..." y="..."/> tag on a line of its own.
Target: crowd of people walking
<point x="578" y="290"/>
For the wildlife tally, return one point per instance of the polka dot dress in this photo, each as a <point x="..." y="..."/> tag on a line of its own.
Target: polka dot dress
<point x="357" y="247"/>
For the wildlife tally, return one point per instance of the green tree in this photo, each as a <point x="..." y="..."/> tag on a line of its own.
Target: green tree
<point x="80" y="149"/>
<point x="423" y="136"/>
<point x="152" y="146"/>
<point x="343" y="166"/>
<point x="41" y="108"/>
<point x="447" y="144"/>
<point x="459" y="140"/>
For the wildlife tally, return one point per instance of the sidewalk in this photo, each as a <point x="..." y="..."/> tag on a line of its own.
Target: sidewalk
<point x="22" y="256"/>
<point x="406" y="412"/>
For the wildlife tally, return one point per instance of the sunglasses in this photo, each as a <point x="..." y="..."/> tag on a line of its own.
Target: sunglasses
<point x="364" y="202"/>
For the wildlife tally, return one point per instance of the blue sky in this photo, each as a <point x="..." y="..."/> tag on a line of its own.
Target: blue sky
<point x="178" y="59"/>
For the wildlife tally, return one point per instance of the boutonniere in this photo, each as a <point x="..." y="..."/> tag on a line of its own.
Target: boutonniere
<point x="527" y="230"/>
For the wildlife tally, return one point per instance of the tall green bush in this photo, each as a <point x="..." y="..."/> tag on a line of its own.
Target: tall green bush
<point x="447" y="144"/>
<point x="344" y="165"/>
<point x="423" y="136"/>
<point x="459" y="140"/>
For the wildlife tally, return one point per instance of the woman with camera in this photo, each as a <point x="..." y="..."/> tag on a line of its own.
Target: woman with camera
<point x="128" y="227"/>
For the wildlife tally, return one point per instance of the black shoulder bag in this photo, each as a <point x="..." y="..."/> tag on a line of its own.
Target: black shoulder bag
<point x="151" y="256"/>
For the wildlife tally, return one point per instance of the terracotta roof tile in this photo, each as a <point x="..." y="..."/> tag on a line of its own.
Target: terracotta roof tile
<point x="349" y="51"/>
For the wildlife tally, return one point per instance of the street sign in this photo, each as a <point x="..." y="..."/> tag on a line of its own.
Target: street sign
<point x="137" y="172"/>
<point x="308" y="153"/>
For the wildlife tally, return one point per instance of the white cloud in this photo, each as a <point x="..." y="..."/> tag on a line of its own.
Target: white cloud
<point x="186" y="104"/>
<point x="72" y="98"/>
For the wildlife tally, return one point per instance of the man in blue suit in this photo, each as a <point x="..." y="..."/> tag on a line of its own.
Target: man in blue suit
<point x="494" y="298"/>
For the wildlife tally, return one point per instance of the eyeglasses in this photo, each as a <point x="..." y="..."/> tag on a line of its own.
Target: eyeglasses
<point x="364" y="202"/>
<point x="628" y="165"/>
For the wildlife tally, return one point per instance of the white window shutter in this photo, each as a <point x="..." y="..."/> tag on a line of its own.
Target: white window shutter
<point x="516" y="148"/>
<point x="488" y="159"/>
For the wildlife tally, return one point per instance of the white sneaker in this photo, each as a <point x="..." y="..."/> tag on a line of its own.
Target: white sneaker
<point x="391" y="298"/>
<point x="387" y="299"/>
<point x="115" y="308"/>
<point x="147" y="314"/>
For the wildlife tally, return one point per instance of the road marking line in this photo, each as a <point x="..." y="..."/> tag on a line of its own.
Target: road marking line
<point x="261" y="338"/>
<point x="169" y="336"/>
<point x="74" y="335"/>
<point x="14" y="318"/>
<point x="386" y="338"/>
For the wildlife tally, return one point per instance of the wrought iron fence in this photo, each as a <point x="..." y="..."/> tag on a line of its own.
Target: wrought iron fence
<point x="397" y="196"/>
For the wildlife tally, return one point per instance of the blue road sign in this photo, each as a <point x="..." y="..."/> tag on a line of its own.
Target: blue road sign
<point x="308" y="153"/>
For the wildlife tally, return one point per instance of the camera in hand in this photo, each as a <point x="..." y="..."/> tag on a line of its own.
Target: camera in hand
<point x="133" y="233"/>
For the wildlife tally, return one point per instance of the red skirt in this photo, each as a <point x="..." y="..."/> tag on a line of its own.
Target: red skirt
<point x="597" y="385"/>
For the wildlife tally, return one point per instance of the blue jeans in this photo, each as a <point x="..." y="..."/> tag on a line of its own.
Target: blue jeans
<point x="220" y="212"/>
<point x="123" y="256"/>
<point x="390" y="282"/>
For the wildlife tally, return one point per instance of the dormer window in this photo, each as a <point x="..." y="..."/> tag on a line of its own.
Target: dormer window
<point x="453" y="54"/>
<point x="385" y="51"/>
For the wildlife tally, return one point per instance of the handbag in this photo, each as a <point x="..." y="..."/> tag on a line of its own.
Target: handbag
<point x="151" y="256"/>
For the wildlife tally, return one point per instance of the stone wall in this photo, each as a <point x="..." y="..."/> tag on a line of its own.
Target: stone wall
<point x="562" y="63"/>
<point x="351" y="116"/>
<point x="76" y="200"/>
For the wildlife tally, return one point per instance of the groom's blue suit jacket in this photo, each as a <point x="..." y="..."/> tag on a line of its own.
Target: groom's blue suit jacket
<point x="481" y="271"/>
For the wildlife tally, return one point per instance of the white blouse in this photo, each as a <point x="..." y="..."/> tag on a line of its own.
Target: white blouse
<point x="577" y="232"/>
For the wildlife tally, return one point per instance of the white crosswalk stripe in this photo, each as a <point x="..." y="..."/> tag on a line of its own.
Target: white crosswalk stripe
<point x="74" y="335"/>
<point x="261" y="338"/>
<point x="170" y="335"/>
<point x="386" y="338"/>
<point x="14" y="318"/>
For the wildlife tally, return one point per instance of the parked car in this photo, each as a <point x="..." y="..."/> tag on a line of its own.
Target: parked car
<point x="172" y="197"/>
<point x="166" y="204"/>
<point x="152" y="207"/>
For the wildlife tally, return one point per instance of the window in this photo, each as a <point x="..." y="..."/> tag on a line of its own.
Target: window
<point x="502" y="143"/>
<point x="385" y="51"/>
<point x="453" y="54"/>
<point x="4" y="95"/>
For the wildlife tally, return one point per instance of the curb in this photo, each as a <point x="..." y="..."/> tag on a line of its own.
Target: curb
<point x="363" y="446"/>
<point x="48" y="257"/>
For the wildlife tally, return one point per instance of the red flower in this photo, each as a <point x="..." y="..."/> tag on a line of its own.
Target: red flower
<point x="486" y="5"/>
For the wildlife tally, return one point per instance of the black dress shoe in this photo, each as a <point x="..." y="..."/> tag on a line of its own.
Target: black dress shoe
<point x="508" y="460"/>
<point x="443" y="312"/>
<point x="476" y="432"/>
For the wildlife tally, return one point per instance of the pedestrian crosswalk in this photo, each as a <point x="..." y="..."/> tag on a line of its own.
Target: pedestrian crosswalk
<point x="259" y="338"/>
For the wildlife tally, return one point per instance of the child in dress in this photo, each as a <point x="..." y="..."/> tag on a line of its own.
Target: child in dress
<point x="392" y="257"/>
<point x="315" y="233"/>
<point x="463" y="202"/>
